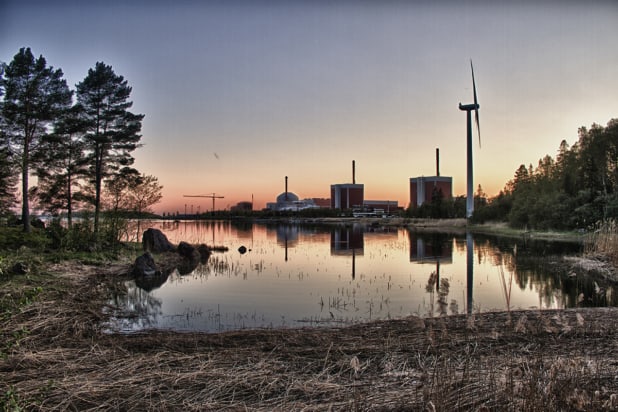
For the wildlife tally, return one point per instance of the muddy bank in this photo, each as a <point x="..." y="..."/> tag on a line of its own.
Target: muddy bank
<point x="57" y="357"/>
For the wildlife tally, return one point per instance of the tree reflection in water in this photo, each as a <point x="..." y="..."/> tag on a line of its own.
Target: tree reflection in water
<point x="135" y="308"/>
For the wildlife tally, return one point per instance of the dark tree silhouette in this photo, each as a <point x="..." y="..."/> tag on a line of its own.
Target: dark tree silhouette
<point x="35" y="95"/>
<point x="112" y="132"/>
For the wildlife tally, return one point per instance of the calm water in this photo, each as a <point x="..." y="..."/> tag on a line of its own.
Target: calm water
<point x="298" y="275"/>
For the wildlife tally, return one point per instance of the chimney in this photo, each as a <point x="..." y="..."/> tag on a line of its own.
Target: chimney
<point x="353" y="172"/>
<point x="437" y="161"/>
<point x="286" y="188"/>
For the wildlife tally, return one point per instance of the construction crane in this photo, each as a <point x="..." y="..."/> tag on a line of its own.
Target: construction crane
<point x="213" y="196"/>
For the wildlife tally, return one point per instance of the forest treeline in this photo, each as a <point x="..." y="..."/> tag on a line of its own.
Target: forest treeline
<point x="77" y="143"/>
<point x="575" y="190"/>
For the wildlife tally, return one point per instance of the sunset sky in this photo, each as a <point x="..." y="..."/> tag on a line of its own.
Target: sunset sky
<point x="239" y="94"/>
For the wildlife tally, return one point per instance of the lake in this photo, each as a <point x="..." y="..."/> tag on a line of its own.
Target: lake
<point x="295" y="275"/>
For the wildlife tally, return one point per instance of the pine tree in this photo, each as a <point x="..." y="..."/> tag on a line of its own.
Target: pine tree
<point x="63" y="164"/>
<point x="8" y="178"/>
<point x="112" y="132"/>
<point x="35" y="95"/>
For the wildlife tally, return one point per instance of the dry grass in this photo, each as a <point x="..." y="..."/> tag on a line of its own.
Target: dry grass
<point x="533" y="360"/>
<point x="604" y="241"/>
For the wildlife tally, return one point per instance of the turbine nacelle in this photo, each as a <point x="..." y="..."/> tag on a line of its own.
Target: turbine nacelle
<point x="468" y="107"/>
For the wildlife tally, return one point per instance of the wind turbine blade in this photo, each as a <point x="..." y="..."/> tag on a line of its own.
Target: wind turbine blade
<point x="476" y="105"/>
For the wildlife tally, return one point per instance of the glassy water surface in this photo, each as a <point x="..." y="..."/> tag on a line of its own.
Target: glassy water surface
<point x="298" y="275"/>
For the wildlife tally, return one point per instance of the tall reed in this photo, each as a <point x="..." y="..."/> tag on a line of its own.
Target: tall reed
<point x="604" y="241"/>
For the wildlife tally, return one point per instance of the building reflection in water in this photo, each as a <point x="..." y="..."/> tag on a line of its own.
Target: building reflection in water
<point x="348" y="241"/>
<point x="431" y="248"/>
<point x="287" y="236"/>
<point x="437" y="248"/>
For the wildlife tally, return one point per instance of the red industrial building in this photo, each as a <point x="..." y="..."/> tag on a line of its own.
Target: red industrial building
<point x="422" y="189"/>
<point x="347" y="196"/>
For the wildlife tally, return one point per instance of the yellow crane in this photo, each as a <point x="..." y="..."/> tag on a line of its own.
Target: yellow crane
<point x="213" y="196"/>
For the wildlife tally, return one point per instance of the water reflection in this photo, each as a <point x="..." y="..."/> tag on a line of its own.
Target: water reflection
<point x="299" y="275"/>
<point x="287" y="237"/>
<point x="348" y="241"/>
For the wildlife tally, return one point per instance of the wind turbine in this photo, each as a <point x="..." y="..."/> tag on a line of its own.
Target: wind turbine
<point x="468" y="108"/>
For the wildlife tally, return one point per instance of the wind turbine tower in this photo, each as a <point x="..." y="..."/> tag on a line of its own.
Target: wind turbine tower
<point x="468" y="108"/>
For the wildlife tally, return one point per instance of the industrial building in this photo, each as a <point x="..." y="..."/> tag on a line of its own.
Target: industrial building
<point x="347" y="195"/>
<point x="424" y="188"/>
<point x="381" y="207"/>
<point x="288" y="201"/>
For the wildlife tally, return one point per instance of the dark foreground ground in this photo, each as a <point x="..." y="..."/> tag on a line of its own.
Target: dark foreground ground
<point x="55" y="357"/>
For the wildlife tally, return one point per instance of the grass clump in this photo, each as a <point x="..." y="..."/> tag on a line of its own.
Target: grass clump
<point x="604" y="241"/>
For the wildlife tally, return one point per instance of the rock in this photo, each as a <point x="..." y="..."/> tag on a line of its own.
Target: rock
<point x="38" y="223"/>
<point x="20" y="268"/>
<point x="205" y="253"/>
<point x="150" y="283"/>
<point x="242" y="250"/>
<point x="155" y="241"/>
<point x="145" y="266"/>
<point x="191" y="258"/>
<point x="186" y="250"/>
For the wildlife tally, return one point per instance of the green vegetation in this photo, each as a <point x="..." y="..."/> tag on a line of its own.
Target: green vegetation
<point x="574" y="191"/>
<point x="80" y="150"/>
<point x="34" y="96"/>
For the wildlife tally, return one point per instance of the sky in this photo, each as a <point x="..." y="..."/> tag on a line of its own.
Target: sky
<point x="239" y="94"/>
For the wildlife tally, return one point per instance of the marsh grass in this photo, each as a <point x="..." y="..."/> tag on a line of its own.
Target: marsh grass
<point x="604" y="241"/>
<point x="541" y="360"/>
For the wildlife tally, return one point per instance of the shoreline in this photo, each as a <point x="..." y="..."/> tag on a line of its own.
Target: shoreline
<point x="56" y="356"/>
<point x="458" y="225"/>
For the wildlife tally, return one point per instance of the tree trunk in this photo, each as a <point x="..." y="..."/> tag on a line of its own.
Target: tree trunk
<point x="69" y="203"/>
<point x="25" y="208"/>
<point x="97" y="196"/>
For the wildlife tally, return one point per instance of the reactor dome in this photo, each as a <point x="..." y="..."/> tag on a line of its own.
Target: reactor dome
<point x="287" y="197"/>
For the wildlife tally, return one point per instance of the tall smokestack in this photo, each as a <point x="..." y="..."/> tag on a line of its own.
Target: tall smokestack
<point x="437" y="161"/>
<point x="286" y="188"/>
<point x="353" y="172"/>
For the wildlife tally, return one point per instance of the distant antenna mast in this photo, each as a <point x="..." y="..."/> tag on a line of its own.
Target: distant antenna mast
<point x="353" y="172"/>
<point x="437" y="161"/>
<point x="468" y="108"/>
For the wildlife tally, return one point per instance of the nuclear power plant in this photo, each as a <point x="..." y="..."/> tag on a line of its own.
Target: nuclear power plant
<point x="351" y="196"/>
<point x="424" y="189"/>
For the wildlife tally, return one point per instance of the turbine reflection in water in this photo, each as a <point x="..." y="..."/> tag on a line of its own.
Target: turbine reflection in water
<point x="336" y="275"/>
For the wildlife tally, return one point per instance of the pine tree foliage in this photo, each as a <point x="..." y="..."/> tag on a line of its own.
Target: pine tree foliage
<point x="63" y="165"/>
<point x="34" y="96"/>
<point x="8" y="178"/>
<point x="575" y="190"/>
<point x="112" y="132"/>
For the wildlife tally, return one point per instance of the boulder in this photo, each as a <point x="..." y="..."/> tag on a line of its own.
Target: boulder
<point x="205" y="253"/>
<point x="38" y="223"/>
<point x="242" y="250"/>
<point x="20" y="268"/>
<point x="191" y="258"/>
<point x="155" y="241"/>
<point x="187" y="250"/>
<point x="150" y="283"/>
<point x="145" y="266"/>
